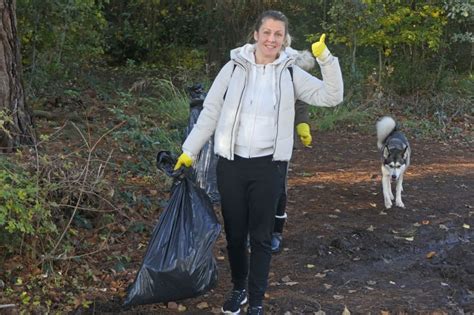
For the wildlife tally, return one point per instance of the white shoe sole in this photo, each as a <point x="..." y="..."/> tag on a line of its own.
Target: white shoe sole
<point x="234" y="313"/>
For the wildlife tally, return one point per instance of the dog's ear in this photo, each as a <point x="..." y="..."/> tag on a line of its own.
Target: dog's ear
<point x="405" y="153"/>
<point x="385" y="152"/>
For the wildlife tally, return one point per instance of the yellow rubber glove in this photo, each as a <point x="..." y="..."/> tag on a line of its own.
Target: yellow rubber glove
<point x="183" y="160"/>
<point x="319" y="48"/>
<point x="302" y="129"/>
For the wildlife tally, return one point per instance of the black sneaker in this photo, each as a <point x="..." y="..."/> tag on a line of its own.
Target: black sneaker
<point x="255" y="310"/>
<point x="276" y="242"/>
<point x="233" y="303"/>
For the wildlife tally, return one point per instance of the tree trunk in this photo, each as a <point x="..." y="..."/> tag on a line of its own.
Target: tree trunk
<point x="17" y="125"/>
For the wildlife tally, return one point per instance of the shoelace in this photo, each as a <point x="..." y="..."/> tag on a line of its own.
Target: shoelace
<point x="256" y="310"/>
<point x="237" y="296"/>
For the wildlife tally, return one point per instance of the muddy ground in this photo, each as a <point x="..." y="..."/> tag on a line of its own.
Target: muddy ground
<point x="343" y="249"/>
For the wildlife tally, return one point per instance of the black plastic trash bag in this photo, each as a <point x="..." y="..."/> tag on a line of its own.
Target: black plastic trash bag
<point x="205" y="164"/>
<point x="179" y="262"/>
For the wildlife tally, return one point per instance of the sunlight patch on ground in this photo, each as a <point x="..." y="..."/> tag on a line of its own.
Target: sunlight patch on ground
<point x="341" y="176"/>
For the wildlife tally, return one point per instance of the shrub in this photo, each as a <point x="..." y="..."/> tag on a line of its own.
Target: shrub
<point x="22" y="209"/>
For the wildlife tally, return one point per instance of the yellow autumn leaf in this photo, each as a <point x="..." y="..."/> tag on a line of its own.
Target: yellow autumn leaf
<point x="430" y="255"/>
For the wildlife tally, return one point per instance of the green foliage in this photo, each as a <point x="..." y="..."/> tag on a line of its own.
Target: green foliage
<point x="404" y="35"/>
<point x="59" y="39"/>
<point x="5" y="120"/>
<point x="342" y="116"/>
<point x="460" y="14"/>
<point x="143" y="30"/>
<point x="159" y="124"/>
<point x="23" y="211"/>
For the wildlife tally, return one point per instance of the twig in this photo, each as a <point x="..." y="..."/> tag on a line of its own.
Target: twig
<point x="85" y="172"/>
<point x="62" y="205"/>
<point x="7" y="305"/>
<point x="109" y="203"/>
<point x="102" y="247"/>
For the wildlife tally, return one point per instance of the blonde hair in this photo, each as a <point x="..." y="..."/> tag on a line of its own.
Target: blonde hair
<point x="261" y="19"/>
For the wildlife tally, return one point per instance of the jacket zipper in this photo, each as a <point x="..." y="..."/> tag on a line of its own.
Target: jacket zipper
<point x="278" y="112"/>
<point x="231" y="149"/>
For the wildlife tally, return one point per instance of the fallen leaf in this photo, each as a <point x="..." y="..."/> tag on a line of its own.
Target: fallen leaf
<point x="172" y="305"/>
<point x="430" y="255"/>
<point x="371" y="228"/>
<point x="466" y="226"/>
<point x="382" y="213"/>
<point x="291" y="283"/>
<point x="181" y="308"/>
<point x="373" y="205"/>
<point x="286" y="279"/>
<point x="310" y="266"/>
<point x="425" y="222"/>
<point x="202" y="305"/>
<point x="346" y="311"/>
<point x="338" y="297"/>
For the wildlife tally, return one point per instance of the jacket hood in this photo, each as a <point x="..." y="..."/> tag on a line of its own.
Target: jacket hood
<point x="246" y="52"/>
<point x="302" y="58"/>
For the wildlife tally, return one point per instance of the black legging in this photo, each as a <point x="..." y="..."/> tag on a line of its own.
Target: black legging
<point x="280" y="215"/>
<point x="250" y="189"/>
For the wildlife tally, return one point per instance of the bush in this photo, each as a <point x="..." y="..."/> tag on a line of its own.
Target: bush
<point x="22" y="208"/>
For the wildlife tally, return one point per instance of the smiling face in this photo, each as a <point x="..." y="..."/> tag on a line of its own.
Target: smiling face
<point x="269" y="40"/>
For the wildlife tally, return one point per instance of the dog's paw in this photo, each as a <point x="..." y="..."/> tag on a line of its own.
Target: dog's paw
<point x="388" y="204"/>
<point x="400" y="204"/>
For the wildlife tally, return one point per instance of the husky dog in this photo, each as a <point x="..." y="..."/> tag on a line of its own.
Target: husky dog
<point x="395" y="151"/>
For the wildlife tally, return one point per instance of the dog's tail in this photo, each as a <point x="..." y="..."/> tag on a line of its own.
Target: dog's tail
<point x="385" y="126"/>
<point x="303" y="58"/>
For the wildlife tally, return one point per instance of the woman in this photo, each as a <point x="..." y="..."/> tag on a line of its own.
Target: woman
<point x="250" y="109"/>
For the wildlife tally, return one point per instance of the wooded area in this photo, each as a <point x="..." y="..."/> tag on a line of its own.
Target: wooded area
<point x="91" y="90"/>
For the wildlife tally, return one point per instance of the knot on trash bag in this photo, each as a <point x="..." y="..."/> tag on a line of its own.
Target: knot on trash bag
<point x="197" y="94"/>
<point x="165" y="161"/>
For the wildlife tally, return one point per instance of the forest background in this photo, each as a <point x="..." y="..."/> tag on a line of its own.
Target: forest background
<point x="105" y="88"/>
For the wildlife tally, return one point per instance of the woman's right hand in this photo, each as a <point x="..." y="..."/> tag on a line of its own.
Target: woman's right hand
<point x="183" y="160"/>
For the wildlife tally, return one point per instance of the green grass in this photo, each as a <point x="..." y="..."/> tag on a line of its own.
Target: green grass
<point x="342" y="116"/>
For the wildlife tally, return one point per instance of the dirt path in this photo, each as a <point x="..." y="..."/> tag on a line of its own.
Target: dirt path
<point x="342" y="248"/>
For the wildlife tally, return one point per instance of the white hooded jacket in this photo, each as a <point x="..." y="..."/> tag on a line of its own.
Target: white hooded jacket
<point x="245" y="95"/>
